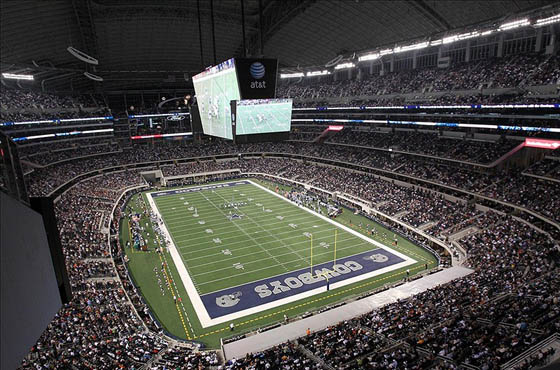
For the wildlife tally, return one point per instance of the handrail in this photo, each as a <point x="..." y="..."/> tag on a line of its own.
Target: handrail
<point x="546" y="178"/>
<point x="316" y="359"/>
<point x="537" y="347"/>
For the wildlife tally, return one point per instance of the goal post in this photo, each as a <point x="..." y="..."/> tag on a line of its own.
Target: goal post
<point x="311" y="260"/>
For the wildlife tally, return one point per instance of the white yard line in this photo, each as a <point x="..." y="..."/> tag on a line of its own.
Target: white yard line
<point x="182" y="212"/>
<point x="244" y="232"/>
<point x="292" y="231"/>
<point x="208" y="221"/>
<point x="264" y="268"/>
<point x="250" y="246"/>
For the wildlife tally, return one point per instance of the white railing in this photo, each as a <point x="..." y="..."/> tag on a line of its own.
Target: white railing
<point x="531" y="351"/>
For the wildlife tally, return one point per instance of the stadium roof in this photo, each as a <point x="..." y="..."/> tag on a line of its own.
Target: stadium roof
<point x="138" y="42"/>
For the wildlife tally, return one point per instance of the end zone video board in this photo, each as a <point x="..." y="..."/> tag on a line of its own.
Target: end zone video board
<point x="260" y="116"/>
<point x="234" y="79"/>
<point x="215" y="88"/>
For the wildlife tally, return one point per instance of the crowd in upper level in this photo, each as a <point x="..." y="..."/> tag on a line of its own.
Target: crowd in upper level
<point x="526" y="70"/>
<point x="20" y="105"/>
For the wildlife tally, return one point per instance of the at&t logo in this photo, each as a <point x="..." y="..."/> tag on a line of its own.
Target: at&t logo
<point x="257" y="71"/>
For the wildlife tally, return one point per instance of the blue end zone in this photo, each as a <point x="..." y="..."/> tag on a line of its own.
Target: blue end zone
<point x="253" y="294"/>
<point x="199" y="188"/>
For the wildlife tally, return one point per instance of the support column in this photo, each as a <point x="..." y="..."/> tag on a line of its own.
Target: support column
<point x="392" y="65"/>
<point x="500" y="52"/>
<point x="468" y="51"/>
<point x="538" y="39"/>
<point x="414" y="59"/>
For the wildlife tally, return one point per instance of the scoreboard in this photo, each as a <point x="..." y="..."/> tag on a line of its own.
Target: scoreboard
<point x="251" y="83"/>
<point x="260" y="116"/>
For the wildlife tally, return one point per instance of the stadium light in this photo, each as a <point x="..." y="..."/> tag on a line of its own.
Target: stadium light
<point x="15" y="76"/>
<point x="549" y="20"/>
<point x="514" y="24"/>
<point x="366" y="57"/>
<point x="317" y="73"/>
<point x="291" y="75"/>
<point x="401" y="49"/>
<point x="460" y="37"/>
<point x="464" y="36"/>
<point x="345" y="65"/>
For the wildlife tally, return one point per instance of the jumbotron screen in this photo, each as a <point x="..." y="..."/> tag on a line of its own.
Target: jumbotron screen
<point x="261" y="116"/>
<point x="214" y="89"/>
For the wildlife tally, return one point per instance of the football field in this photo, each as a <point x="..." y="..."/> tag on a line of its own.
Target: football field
<point x="241" y="248"/>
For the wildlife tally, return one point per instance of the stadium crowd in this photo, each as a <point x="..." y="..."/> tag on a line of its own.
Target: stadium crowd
<point x="539" y="195"/>
<point x="19" y="105"/>
<point x="98" y="329"/>
<point x="529" y="70"/>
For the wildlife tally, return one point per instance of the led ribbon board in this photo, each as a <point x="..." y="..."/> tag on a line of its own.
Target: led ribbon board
<point x="542" y="143"/>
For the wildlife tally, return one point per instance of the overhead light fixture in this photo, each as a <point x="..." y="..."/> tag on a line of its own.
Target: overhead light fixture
<point x="418" y="46"/>
<point x="16" y="76"/>
<point x="317" y="73"/>
<point x="345" y="65"/>
<point x="449" y="39"/>
<point x="291" y="75"/>
<point x="366" y="57"/>
<point x="549" y="20"/>
<point x="514" y="24"/>
<point x="468" y="35"/>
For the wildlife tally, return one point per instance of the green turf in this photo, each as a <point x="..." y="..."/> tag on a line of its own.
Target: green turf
<point x="264" y="244"/>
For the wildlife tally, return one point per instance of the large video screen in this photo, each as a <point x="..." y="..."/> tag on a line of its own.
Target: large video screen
<point x="214" y="89"/>
<point x="262" y="116"/>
